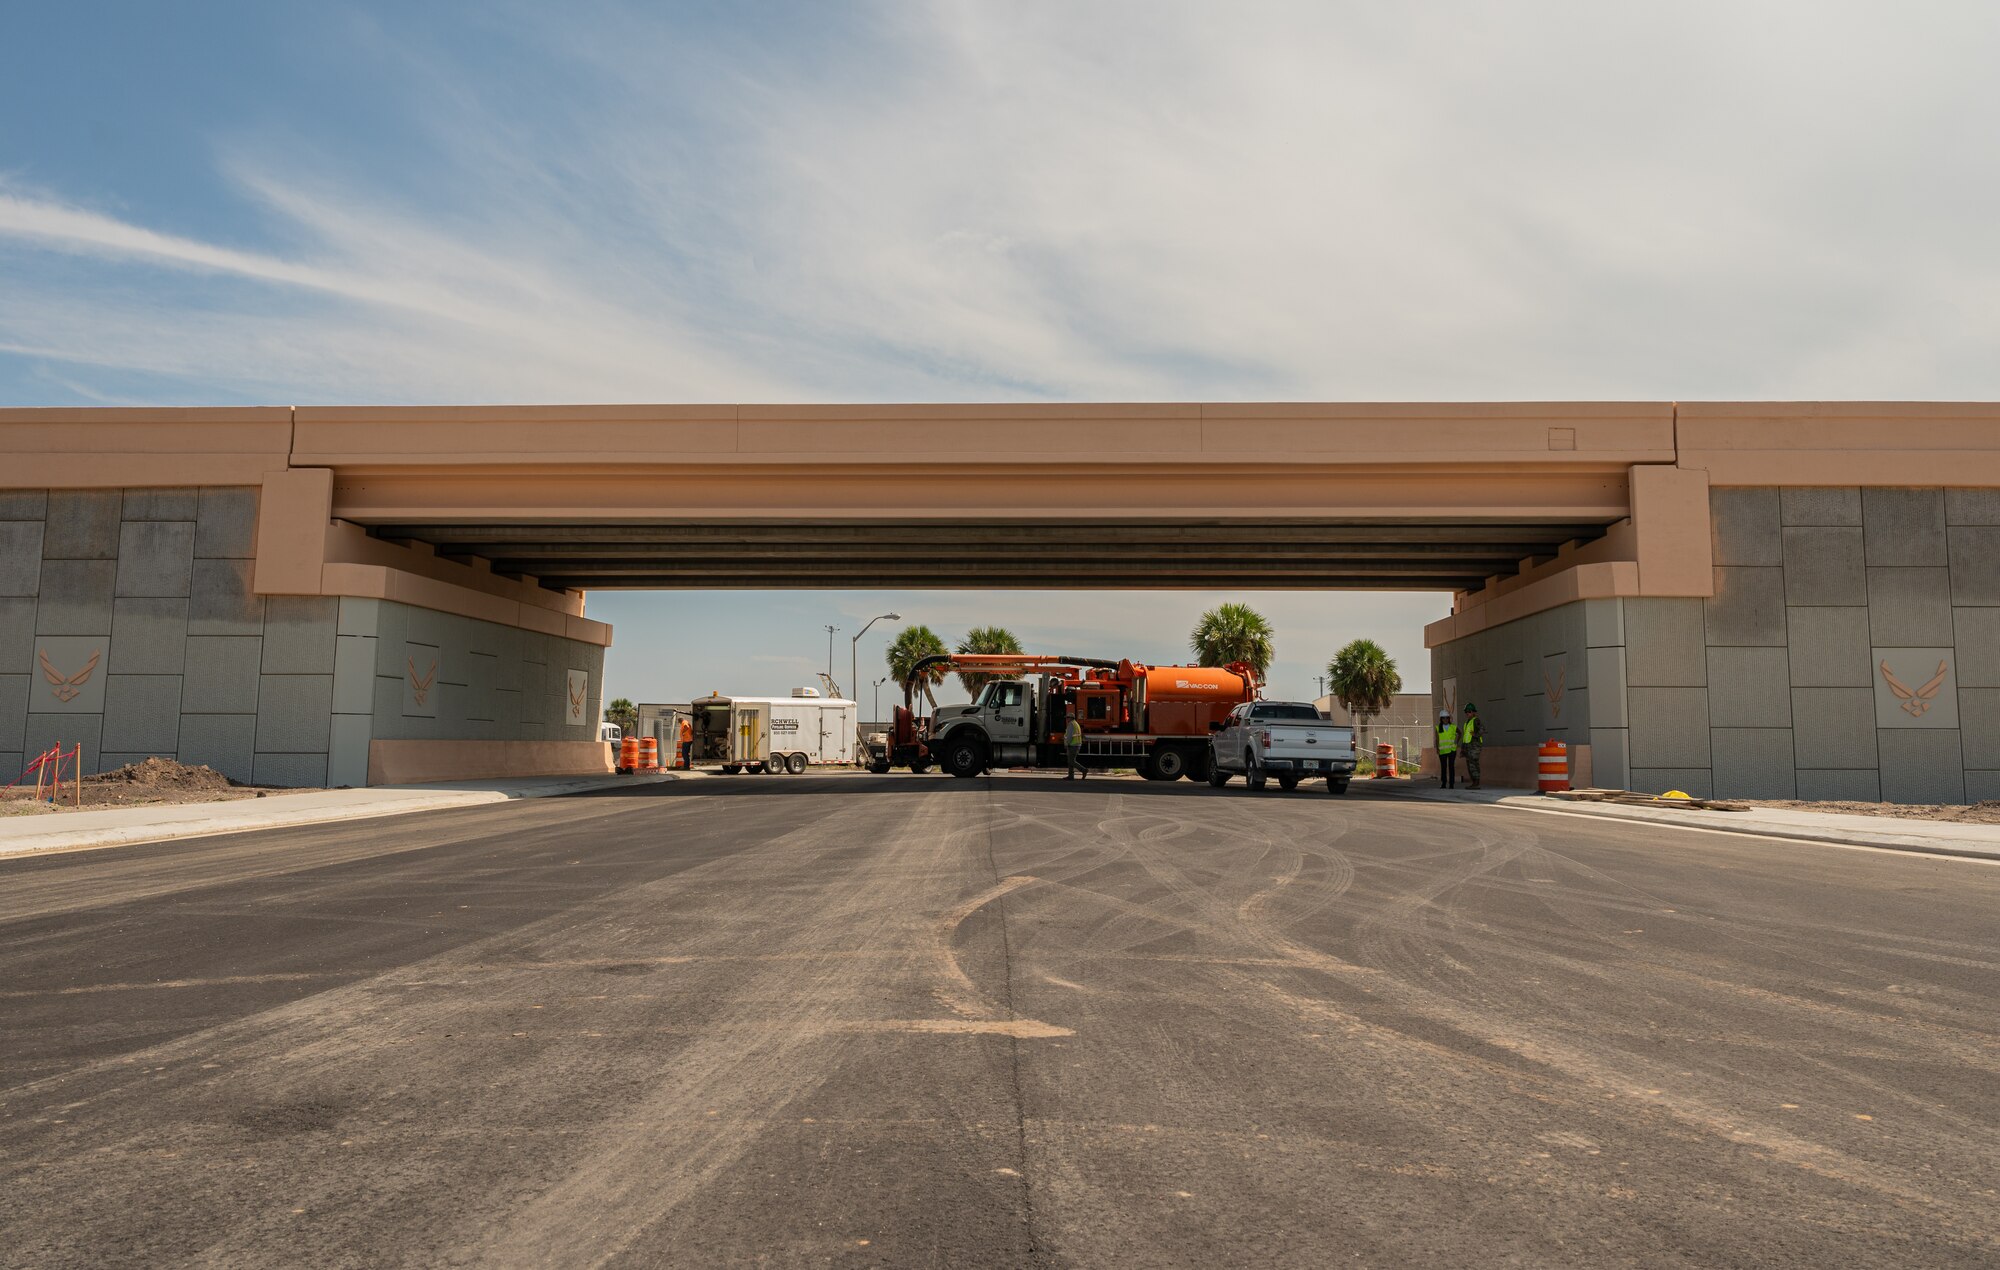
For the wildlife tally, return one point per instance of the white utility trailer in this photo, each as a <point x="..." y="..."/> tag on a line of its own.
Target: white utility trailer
<point x="772" y="734"/>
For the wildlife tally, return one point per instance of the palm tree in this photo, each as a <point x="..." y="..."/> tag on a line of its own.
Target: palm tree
<point x="911" y="645"/>
<point x="985" y="639"/>
<point x="1365" y="680"/>
<point x="1233" y="632"/>
<point x="622" y="712"/>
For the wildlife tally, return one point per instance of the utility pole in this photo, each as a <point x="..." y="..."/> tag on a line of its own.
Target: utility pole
<point x="829" y="659"/>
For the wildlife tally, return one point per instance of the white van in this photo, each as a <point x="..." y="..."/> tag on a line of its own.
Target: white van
<point x="772" y="734"/>
<point x="610" y="732"/>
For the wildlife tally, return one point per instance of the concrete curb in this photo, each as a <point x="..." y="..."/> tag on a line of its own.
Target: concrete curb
<point x="1762" y="828"/>
<point x="285" y="811"/>
<point x="1981" y="843"/>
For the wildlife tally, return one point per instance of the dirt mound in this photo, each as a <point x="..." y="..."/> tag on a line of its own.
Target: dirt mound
<point x="163" y="775"/>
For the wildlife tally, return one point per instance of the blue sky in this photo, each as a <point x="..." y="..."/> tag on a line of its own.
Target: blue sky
<point x="1278" y="199"/>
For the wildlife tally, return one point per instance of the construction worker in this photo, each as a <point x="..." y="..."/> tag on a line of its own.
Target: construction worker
<point x="1447" y="743"/>
<point x="1073" y="742"/>
<point x="687" y="742"/>
<point x="1471" y="737"/>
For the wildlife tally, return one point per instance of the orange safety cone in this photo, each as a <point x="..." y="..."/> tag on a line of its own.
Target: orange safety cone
<point x="1385" y="760"/>
<point x="649" y="754"/>
<point x="628" y="754"/>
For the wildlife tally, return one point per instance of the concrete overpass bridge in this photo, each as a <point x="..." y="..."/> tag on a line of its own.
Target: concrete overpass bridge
<point x="1725" y="597"/>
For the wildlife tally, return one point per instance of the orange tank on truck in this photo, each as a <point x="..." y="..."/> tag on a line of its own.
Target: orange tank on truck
<point x="1184" y="700"/>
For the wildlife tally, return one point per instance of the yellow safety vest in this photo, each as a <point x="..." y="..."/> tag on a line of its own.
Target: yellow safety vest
<point x="1447" y="739"/>
<point x="1073" y="734"/>
<point x="1469" y="732"/>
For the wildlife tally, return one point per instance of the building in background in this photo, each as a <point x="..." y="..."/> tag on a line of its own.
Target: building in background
<point x="1406" y="723"/>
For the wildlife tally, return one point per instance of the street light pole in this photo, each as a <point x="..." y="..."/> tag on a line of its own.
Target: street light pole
<point x="829" y="658"/>
<point x="854" y="650"/>
<point x="875" y="700"/>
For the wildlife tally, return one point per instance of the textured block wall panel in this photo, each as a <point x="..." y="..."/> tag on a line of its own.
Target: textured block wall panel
<point x="1749" y="688"/>
<point x="1745" y="527"/>
<point x="354" y="674"/>
<point x="155" y="557"/>
<point x="159" y="504"/>
<point x="1669" y="727"/>
<point x="1978" y="637"/>
<point x="221" y="674"/>
<point x="225" y="526"/>
<point x="1979" y="727"/>
<point x="149" y="636"/>
<point x="221" y="601"/>
<point x="1747" y="609"/>
<point x="1825" y="566"/>
<point x="1831" y="506"/>
<point x="225" y="742"/>
<point x="1972" y="506"/>
<point x="20" y="557"/>
<point x="83" y="524"/>
<point x="294" y="713"/>
<point x="76" y="597"/>
<point x="142" y="714"/>
<point x="1834" y="727"/>
<point x="1922" y="767"/>
<point x="29" y="504"/>
<point x="1975" y="564"/>
<point x="299" y="634"/>
<point x="1752" y="763"/>
<point x="1829" y="647"/>
<point x="1904" y="526"/>
<point x="1908" y="607"/>
<point x="17" y="634"/>
<point x="13" y="715"/>
<point x="1664" y="644"/>
<point x="296" y="770"/>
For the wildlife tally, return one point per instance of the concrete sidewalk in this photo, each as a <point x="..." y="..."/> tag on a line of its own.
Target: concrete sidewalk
<point x="122" y="826"/>
<point x="1933" y="837"/>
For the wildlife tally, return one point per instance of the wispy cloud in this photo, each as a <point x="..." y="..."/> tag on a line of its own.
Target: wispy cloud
<point x="1100" y="200"/>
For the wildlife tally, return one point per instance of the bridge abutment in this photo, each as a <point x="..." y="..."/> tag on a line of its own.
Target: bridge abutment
<point x="188" y="623"/>
<point x="1848" y="649"/>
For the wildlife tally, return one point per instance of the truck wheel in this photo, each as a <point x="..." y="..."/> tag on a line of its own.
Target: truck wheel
<point x="1169" y="765"/>
<point x="1200" y="765"/>
<point x="1288" y="783"/>
<point x="730" y="769"/>
<point x="1217" y="778"/>
<point x="880" y="769"/>
<point x="796" y="765"/>
<point x="1336" y="785"/>
<point x="919" y="767"/>
<point x="964" y="759"/>
<point x="1253" y="775"/>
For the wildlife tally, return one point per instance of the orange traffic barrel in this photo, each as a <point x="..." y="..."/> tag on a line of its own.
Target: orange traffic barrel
<point x="649" y="754"/>
<point x="1554" y="767"/>
<point x="1385" y="760"/>
<point x="628" y="754"/>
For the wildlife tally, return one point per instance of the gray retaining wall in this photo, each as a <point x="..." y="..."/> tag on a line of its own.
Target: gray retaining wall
<point x="139" y="602"/>
<point x="1851" y="651"/>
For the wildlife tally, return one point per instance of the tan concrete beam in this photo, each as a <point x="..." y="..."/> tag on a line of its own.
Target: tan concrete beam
<point x="1842" y="442"/>
<point x="126" y="446"/>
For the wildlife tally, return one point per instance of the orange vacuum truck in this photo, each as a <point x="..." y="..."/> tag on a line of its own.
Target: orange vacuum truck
<point x="1152" y="718"/>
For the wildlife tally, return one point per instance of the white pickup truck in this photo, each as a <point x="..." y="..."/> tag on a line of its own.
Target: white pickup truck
<point x="1285" y="739"/>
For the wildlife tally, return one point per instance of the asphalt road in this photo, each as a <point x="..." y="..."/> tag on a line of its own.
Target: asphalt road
<point x="912" y="1021"/>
